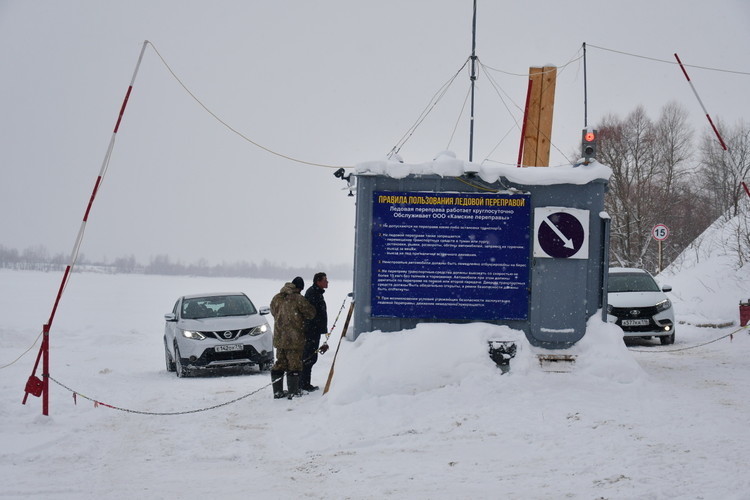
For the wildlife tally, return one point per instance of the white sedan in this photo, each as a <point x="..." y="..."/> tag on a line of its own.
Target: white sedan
<point x="214" y="331"/>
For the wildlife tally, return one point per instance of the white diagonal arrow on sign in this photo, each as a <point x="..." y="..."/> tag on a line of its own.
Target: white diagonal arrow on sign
<point x="567" y="243"/>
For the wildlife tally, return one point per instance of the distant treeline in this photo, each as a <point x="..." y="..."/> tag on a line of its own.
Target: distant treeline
<point x="39" y="259"/>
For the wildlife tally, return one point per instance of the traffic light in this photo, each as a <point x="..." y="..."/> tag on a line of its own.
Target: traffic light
<point x="588" y="144"/>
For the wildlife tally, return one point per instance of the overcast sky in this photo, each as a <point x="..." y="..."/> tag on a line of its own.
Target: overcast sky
<point x="329" y="82"/>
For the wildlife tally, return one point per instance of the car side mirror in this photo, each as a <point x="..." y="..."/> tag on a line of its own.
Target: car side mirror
<point x="666" y="288"/>
<point x="264" y="310"/>
<point x="170" y="317"/>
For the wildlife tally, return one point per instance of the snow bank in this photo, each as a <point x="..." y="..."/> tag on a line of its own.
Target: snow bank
<point x="434" y="356"/>
<point x="602" y="354"/>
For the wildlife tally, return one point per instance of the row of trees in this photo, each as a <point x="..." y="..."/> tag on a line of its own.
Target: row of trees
<point x="39" y="259"/>
<point x="661" y="175"/>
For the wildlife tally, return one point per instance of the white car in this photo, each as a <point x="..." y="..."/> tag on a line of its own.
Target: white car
<point x="638" y="306"/>
<point x="214" y="331"/>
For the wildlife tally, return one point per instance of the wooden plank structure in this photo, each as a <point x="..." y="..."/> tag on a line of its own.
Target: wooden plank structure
<point x="538" y="130"/>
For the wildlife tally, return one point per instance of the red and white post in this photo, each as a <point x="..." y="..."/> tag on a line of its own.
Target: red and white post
<point x="34" y="385"/>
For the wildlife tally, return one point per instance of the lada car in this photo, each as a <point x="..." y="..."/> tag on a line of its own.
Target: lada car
<point x="639" y="306"/>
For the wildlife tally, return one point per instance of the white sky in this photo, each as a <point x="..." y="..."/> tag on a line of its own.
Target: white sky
<point x="330" y="82"/>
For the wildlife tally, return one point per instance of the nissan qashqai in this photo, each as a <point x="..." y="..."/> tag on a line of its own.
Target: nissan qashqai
<point x="215" y="331"/>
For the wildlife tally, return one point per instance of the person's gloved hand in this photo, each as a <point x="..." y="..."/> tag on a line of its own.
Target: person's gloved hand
<point x="323" y="349"/>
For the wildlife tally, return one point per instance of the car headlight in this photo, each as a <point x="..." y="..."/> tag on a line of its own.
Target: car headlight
<point x="663" y="305"/>
<point x="258" y="330"/>
<point x="191" y="334"/>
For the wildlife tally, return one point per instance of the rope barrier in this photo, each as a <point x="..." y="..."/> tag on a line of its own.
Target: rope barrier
<point x="98" y="403"/>
<point x="694" y="346"/>
<point x="24" y="353"/>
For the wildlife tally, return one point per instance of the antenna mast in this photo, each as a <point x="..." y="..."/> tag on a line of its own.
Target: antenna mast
<point x="585" y="91"/>
<point x="473" y="79"/>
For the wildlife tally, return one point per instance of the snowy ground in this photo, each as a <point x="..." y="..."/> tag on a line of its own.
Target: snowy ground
<point x="417" y="414"/>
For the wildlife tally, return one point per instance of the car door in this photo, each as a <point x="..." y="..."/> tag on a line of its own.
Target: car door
<point x="170" y="328"/>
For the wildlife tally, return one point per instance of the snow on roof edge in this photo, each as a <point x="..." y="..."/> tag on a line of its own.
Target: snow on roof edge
<point x="447" y="165"/>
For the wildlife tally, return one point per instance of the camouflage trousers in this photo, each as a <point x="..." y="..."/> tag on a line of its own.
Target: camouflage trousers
<point x="288" y="360"/>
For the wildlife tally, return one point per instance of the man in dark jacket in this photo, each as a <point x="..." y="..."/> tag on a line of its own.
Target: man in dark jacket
<point x="290" y="310"/>
<point x="314" y="328"/>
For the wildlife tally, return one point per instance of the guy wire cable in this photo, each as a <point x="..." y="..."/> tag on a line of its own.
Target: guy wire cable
<point x="237" y="132"/>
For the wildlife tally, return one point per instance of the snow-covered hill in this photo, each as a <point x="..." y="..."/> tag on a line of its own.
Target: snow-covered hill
<point x="713" y="274"/>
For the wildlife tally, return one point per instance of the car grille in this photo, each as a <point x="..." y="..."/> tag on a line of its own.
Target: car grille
<point x="626" y="312"/>
<point x="231" y="335"/>
<point x="635" y="313"/>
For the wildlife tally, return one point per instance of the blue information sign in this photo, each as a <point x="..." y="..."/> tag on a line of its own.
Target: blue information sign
<point x="450" y="255"/>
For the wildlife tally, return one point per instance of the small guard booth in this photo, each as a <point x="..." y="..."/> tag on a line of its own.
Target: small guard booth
<point x="455" y="242"/>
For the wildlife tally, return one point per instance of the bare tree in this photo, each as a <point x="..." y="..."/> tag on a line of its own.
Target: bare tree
<point x="723" y="171"/>
<point x="650" y="184"/>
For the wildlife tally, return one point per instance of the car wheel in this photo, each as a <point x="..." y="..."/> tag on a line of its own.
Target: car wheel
<point x="182" y="370"/>
<point x="168" y="359"/>
<point x="667" y="339"/>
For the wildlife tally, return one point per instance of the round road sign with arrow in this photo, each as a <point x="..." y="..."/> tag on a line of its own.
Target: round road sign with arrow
<point x="561" y="233"/>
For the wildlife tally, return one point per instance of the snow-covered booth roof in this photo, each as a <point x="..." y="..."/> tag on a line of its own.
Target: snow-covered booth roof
<point x="456" y="242"/>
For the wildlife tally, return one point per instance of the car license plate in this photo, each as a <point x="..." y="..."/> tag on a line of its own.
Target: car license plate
<point x="229" y="347"/>
<point x="635" y="322"/>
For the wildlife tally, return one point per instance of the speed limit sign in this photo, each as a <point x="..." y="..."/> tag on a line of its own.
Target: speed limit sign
<point x="660" y="232"/>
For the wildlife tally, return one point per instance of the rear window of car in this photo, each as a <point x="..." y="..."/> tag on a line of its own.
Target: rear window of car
<point x="631" y="282"/>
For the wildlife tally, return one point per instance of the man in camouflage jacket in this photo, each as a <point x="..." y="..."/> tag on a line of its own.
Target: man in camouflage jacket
<point x="290" y="310"/>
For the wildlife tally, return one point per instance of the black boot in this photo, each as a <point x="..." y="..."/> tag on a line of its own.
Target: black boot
<point x="292" y="382"/>
<point x="277" y="377"/>
<point x="305" y="384"/>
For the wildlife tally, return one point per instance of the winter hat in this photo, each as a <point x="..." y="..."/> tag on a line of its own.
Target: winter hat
<point x="299" y="283"/>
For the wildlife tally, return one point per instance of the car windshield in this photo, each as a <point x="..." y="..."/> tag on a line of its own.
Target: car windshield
<point x="216" y="307"/>
<point x="631" y="282"/>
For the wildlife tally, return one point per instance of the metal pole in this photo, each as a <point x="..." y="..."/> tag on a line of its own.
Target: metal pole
<point x="585" y="91"/>
<point x="473" y="80"/>
<point x="659" y="258"/>
<point x="45" y="371"/>
<point x="606" y="223"/>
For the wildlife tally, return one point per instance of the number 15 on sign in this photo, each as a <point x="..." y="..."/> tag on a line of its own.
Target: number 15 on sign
<point x="660" y="232"/>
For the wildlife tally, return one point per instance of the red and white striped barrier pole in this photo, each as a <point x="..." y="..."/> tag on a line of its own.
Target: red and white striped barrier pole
<point x="716" y="131"/>
<point x="34" y="386"/>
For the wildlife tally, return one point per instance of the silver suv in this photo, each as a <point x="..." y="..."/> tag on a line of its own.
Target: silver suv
<point x="215" y="331"/>
<point x="638" y="306"/>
